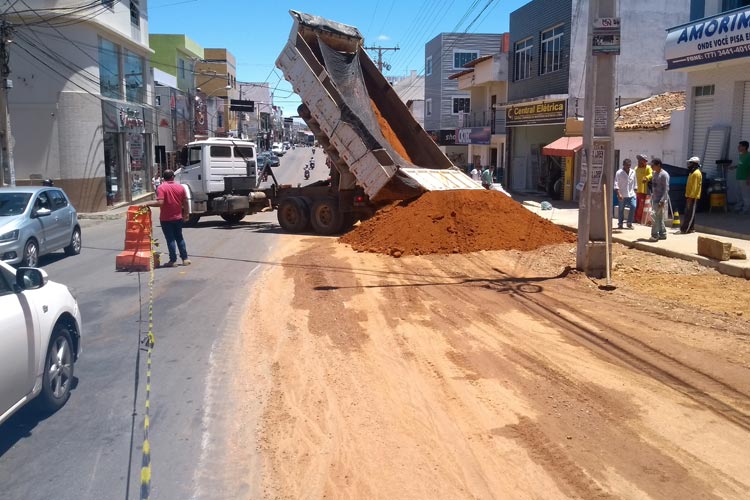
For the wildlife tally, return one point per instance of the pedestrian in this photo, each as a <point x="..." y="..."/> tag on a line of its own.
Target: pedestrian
<point x="625" y="187"/>
<point x="171" y="198"/>
<point x="692" y="195"/>
<point x="742" y="175"/>
<point x="659" y="197"/>
<point x="643" y="175"/>
<point x="475" y="173"/>
<point x="156" y="180"/>
<point x="486" y="177"/>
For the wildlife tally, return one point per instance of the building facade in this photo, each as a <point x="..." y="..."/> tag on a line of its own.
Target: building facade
<point x="711" y="50"/>
<point x="410" y="89"/>
<point x="445" y="104"/>
<point x="216" y="75"/>
<point x="257" y="125"/>
<point x="82" y="100"/>
<point x="549" y="40"/>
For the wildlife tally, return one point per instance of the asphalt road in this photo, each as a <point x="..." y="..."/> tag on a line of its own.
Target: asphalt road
<point x="84" y="450"/>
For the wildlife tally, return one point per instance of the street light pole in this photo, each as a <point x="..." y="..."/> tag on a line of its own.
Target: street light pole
<point x="7" y="168"/>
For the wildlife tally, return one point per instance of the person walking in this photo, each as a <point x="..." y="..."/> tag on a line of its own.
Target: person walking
<point x="487" y="178"/>
<point x="743" y="178"/>
<point x="475" y="173"/>
<point x="692" y="195"/>
<point x="659" y="198"/>
<point x="625" y="187"/>
<point x="643" y="175"/>
<point x="171" y="198"/>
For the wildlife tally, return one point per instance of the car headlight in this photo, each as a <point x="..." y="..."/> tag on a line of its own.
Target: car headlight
<point x="9" y="236"/>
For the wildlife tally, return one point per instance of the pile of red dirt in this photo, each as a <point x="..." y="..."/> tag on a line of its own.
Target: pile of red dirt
<point x="459" y="221"/>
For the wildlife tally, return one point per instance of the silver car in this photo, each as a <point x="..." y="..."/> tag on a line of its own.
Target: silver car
<point x="35" y="221"/>
<point x="40" y="340"/>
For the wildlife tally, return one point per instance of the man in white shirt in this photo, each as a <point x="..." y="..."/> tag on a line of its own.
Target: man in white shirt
<point x="625" y="187"/>
<point x="476" y="174"/>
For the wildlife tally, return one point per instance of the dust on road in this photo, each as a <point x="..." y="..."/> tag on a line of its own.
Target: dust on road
<point x="489" y="375"/>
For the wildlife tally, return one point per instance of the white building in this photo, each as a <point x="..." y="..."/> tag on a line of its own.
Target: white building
<point x="712" y="49"/>
<point x="82" y="98"/>
<point x="411" y="90"/>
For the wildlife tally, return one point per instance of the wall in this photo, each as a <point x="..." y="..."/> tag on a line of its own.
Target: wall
<point x="665" y="144"/>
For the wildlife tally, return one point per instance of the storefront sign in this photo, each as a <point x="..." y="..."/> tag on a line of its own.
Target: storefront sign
<point x="132" y="119"/>
<point x="443" y="137"/>
<point x="606" y="36"/>
<point x="726" y="36"/>
<point x="542" y="113"/>
<point x="473" y="135"/>
<point x="135" y="146"/>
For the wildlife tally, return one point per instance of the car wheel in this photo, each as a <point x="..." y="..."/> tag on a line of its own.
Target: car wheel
<point x="325" y="217"/>
<point x="233" y="218"/>
<point x="293" y="214"/>
<point x="30" y="254"/>
<point x="58" y="371"/>
<point x="75" y="243"/>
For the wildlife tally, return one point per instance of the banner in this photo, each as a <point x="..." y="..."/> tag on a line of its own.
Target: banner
<point x="473" y="135"/>
<point x="718" y="38"/>
<point x="541" y="113"/>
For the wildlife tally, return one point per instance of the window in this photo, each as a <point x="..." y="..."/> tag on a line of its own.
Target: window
<point x="135" y="12"/>
<point x="733" y="4"/>
<point x="157" y="100"/>
<point x="133" y="77"/>
<point x="705" y="90"/>
<point x="194" y="155"/>
<point x="428" y="107"/>
<point x="460" y="59"/>
<point x="221" y="152"/>
<point x="522" y="59"/>
<point x="109" y="70"/>
<point x="42" y="201"/>
<point x="242" y="152"/>
<point x="58" y="199"/>
<point x="182" y="68"/>
<point x="551" y="59"/>
<point x="428" y="66"/>
<point x="461" y="104"/>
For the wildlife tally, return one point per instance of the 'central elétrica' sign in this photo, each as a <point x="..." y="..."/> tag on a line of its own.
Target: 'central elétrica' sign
<point x="540" y="113"/>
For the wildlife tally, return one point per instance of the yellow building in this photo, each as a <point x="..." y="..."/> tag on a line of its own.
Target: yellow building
<point x="216" y="76"/>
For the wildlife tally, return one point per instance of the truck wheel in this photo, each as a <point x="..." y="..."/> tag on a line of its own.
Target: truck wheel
<point x="325" y="217"/>
<point x="233" y="218"/>
<point x="293" y="214"/>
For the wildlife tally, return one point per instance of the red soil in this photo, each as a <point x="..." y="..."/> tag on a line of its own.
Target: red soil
<point x="459" y="221"/>
<point x="389" y="134"/>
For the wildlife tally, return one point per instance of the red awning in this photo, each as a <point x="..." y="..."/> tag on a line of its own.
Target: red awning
<point x="564" y="146"/>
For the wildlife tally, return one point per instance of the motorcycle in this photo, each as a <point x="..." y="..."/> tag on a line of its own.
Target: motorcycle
<point x="307" y="173"/>
<point x="313" y="150"/>
<point x="312" y="163"/>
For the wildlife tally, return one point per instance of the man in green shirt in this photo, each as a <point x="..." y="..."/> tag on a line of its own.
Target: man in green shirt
<point x="743" y="178"/>
<point x="487" y="178"/>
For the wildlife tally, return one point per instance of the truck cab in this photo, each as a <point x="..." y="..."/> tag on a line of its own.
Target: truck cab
<point x="213" y="169"/>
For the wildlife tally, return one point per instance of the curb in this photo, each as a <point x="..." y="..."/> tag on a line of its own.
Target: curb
<point x="108" y="216"/>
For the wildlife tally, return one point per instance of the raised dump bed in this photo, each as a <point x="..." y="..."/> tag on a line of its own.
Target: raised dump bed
<point x="365" y="128"/>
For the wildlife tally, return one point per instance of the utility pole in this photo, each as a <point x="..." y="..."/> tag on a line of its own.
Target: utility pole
<point x="7" y="169"/>
<point x="380" y="50"/>
<point x="594" y="229"/>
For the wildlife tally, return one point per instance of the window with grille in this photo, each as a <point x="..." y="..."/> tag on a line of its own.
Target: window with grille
<point x="461" y="58"/>
<point x="135" y="12"/>
<point x="522" y="59"/>
<point x="551" y="50"/>
<point x="704" y="90"/>
<point x="461" y="105"/>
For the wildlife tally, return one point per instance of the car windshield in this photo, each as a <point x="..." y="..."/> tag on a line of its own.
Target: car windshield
<point x="13" y="203"/>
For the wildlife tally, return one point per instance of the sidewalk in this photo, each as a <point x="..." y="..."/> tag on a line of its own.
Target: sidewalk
<point x="681" y="246"/>
<point x="117" y="212"/>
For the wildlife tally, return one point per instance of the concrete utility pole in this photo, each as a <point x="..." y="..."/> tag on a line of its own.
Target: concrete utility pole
<point x="7" y="169"/>
<point x="380" y="50"/>
<point x="594" y="230"/>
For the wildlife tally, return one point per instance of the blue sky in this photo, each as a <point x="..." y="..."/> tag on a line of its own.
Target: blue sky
<point x="256" y="31"/>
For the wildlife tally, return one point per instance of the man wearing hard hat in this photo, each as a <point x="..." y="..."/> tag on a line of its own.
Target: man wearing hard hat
<point x="692" y="194"/>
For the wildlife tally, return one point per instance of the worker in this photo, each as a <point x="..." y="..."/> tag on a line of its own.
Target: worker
<point x="692" y="194"/>
<point x="486" y="177"/>
<point x="659" y="199"/>
<point x="643" y="175"/>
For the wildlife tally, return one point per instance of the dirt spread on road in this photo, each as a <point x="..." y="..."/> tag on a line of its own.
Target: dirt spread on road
<point x="499" y="374"/>
<point x="458" y="221"/>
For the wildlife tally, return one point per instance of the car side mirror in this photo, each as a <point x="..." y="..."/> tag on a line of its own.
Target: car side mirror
<point x="30" y="278"/>
<point x="42" y="212"/>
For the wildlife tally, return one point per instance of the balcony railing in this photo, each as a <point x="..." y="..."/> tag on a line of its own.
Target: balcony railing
<point x="485" y="119"/>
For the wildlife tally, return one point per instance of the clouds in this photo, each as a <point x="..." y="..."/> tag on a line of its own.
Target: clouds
<point x="383" y="38"/>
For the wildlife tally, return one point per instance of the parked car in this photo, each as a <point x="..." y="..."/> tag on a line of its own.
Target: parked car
<point x="278" y="149"/>
<point x="271" y="158"/>
<point x="40" y="341"/>
<point x="34" y="221"/>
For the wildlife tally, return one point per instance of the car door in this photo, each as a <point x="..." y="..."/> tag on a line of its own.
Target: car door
<point x="17" y="345"/>
<point x="62" y="219"/>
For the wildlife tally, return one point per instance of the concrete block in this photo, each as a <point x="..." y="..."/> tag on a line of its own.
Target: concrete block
<point x="737" y="253"/>
<point x="713" y="248"/>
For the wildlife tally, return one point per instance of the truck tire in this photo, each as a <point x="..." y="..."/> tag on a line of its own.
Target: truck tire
<point x="325" y="217"/>
<point x="233" y="218"/>
<point x="293" y="214"/>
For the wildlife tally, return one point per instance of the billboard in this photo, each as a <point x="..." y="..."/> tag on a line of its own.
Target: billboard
<point x="718" y="38"/>
<point x="540" y="113"/>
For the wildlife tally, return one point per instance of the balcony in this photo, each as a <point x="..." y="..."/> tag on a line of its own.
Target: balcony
<point x="485" y="119"/>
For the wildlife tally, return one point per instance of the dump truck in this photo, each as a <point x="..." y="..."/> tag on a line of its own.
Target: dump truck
<point x="377" y="152"/>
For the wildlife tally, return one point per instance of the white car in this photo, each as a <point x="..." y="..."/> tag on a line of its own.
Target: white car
<point x="40" y="340"/>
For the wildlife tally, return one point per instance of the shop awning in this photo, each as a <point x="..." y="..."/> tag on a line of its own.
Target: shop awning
<point x="564" y="146"/>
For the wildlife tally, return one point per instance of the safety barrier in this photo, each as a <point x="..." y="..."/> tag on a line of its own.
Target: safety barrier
<point x="138" y="255"/>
